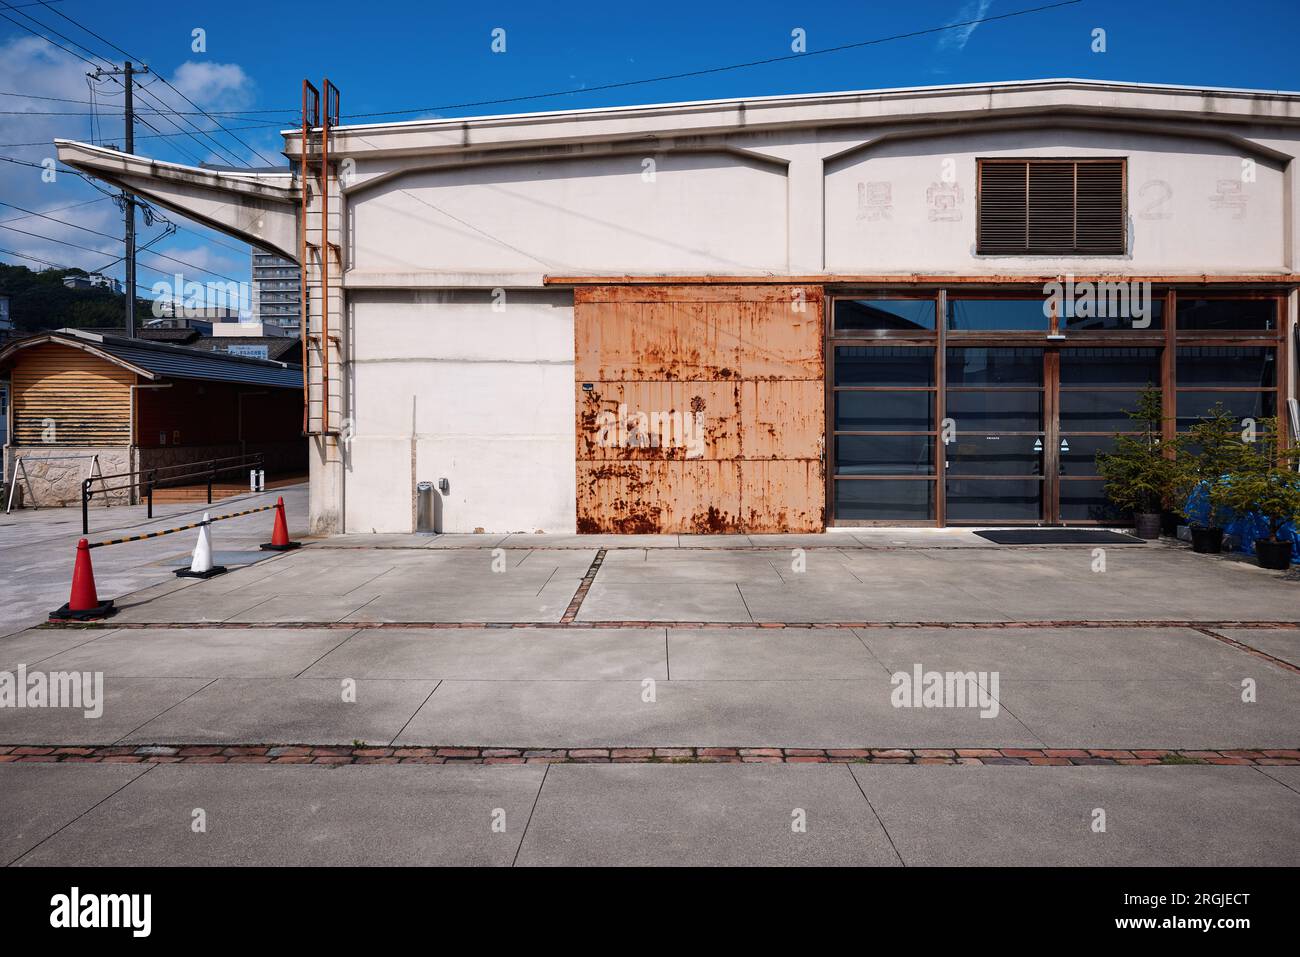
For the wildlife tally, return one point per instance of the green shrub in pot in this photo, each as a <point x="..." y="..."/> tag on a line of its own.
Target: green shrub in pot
<point x="1210" y="451"/>
<point x="1266" y="484"/>
<point x="1140" y="470"/>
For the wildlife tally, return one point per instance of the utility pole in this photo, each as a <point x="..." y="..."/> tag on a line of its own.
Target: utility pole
<point x="128" y="201"/>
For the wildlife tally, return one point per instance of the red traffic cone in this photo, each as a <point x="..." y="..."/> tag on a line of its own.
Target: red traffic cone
<point x="280" y="534"/>
<point x="83" y="603"/>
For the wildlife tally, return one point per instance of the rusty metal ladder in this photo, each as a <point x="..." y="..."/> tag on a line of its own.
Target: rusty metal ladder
<point x="321" y="348"/>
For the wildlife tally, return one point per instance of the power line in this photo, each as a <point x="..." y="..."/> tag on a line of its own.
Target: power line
<point x="47" y="39"/>
<point x="62" y="222"/>
<point x="87" y="229"/>
<point x="289" y="111"/>
<point x="163" y="112"/>
<point x="100" y="252"/>
<point x="56" y="209"/>
<point x="146" y="136"/>
<point x="37" y="259"/>
<point x="169" y="86"/>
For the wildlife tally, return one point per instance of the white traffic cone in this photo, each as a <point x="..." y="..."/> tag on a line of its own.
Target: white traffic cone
<point x="202" y="560"/>
<point x="201" y="564"/>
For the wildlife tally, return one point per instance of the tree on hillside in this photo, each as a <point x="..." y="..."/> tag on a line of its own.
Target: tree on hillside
<point x="38" y="300"/>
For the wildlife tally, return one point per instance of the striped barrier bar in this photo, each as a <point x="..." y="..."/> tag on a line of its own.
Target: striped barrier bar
<point x="179" y="528"/>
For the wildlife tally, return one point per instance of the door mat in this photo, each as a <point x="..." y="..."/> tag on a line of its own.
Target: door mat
<point x="1057" y="536"/>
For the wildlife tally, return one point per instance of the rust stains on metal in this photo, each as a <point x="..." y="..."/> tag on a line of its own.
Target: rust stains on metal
<point x="699" y="408"/>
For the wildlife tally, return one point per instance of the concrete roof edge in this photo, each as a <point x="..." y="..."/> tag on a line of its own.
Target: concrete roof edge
<point x="795" y="99"/>
<point x="106" y="163"/>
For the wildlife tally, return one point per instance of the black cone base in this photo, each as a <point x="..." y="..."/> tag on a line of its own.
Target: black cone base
<point x="211" y="572"/>
<point x="102" y="610"/>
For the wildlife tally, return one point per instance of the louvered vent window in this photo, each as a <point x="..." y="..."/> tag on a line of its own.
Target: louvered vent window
<point x="1051" y="207"/>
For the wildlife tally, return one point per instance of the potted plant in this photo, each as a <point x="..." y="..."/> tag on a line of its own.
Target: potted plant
<point x="1266" y="485"/>
<point x="1140" y="469"/>
<point x="1211" y="450"/>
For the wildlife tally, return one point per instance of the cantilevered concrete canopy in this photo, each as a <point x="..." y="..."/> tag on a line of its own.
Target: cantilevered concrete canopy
<point x="258" y="208"/>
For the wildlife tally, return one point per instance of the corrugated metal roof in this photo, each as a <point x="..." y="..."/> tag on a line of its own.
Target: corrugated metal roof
<point x="181" y="362"/>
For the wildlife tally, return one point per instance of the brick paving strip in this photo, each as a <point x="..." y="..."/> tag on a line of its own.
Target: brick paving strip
<point x="584" y="586"/>
<point x="308" y="754"/>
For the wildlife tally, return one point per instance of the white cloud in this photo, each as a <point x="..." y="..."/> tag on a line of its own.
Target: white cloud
<point x="956" y="39"/>
<point x="36" y="68"/>
<point x="213" y="86"/>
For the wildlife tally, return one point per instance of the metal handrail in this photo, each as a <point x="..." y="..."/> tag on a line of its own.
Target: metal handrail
<point x="183" y="465"/>
<point x="206" y="468"/>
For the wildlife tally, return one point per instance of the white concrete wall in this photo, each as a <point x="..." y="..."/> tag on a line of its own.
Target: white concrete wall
<point x="447" y="386"/>
<point x="888" y="208"/>
<point x="698" y="212"/>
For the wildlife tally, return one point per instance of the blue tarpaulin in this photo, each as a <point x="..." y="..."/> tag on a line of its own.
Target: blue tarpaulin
<point x="1243" y="529"/>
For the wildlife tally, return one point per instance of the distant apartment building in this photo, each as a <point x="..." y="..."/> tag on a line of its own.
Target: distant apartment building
<point x="276" y="292"/>
<point x="92" y="281"/>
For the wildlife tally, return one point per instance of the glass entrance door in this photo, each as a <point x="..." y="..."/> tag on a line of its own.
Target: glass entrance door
<point x="997" y="451"/>
<point x="1026" y="424"/>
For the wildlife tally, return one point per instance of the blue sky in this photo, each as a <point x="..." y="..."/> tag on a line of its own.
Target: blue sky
<point x="398" y="55"/>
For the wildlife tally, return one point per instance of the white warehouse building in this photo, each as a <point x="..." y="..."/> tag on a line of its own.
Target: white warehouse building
<point x="927" y="306"/>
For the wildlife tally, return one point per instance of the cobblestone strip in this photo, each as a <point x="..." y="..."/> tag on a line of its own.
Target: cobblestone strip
<point x="584" y="586"/>
<point x="113" y="624"/>
<point x="307" y="754"/>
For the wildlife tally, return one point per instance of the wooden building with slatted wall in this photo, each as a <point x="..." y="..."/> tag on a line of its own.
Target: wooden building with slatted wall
<point x="79" y="399"/>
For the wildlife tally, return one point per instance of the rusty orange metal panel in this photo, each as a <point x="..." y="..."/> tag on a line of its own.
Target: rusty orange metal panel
<point x="659" y="420"/>
<point x="801" y="506"/>
<point x="699" y="408"/>
<point x="781" y="340"/>
<point x="782" y="418"/>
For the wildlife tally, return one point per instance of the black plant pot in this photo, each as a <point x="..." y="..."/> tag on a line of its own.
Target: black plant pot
<point x="1274" y="555"/>
<point x="1207" y="541"/>
<point x="1148" y="525"/>
<point x="1169" y="522"/>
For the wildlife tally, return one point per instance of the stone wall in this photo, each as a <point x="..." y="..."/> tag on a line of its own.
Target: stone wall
<point x="56" y="476"/>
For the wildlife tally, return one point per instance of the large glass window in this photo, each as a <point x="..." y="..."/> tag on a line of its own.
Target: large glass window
<point x="895" y="315"/>
<point x="1194" y="406"/>
<point x="888" y="500"/>
<point x="880" y="411"/>
<point x="1225" y="315"/>
<point x="994" y="500"/>
<point x="891" y="390"/>
<point x="998" y="315"/>
<point x="978" y="366"/>
<point x="1096" y="411"/>
<point x="884" y="454"/>
<point x="1110" y="367"/>
<point x="1005" y="411"/>
<point x="1227" y="367"/>
<point x="1112" y="307"/>
<point x="884" y="366"/>
<point x="1029" y="414"/>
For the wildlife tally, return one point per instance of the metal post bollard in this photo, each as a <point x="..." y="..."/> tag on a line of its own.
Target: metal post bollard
<point x="424" y="513"/>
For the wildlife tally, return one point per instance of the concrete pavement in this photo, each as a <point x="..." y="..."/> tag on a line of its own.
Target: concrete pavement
<point x="647" y="814"/>
<point x="38" y="546"/>
<point x="641" y="670"/>
<point x="469" y="582"/>
<point x="1111" y="688"/>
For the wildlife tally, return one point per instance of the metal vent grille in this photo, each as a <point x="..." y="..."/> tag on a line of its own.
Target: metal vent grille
<point x="1051" y="207"/>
